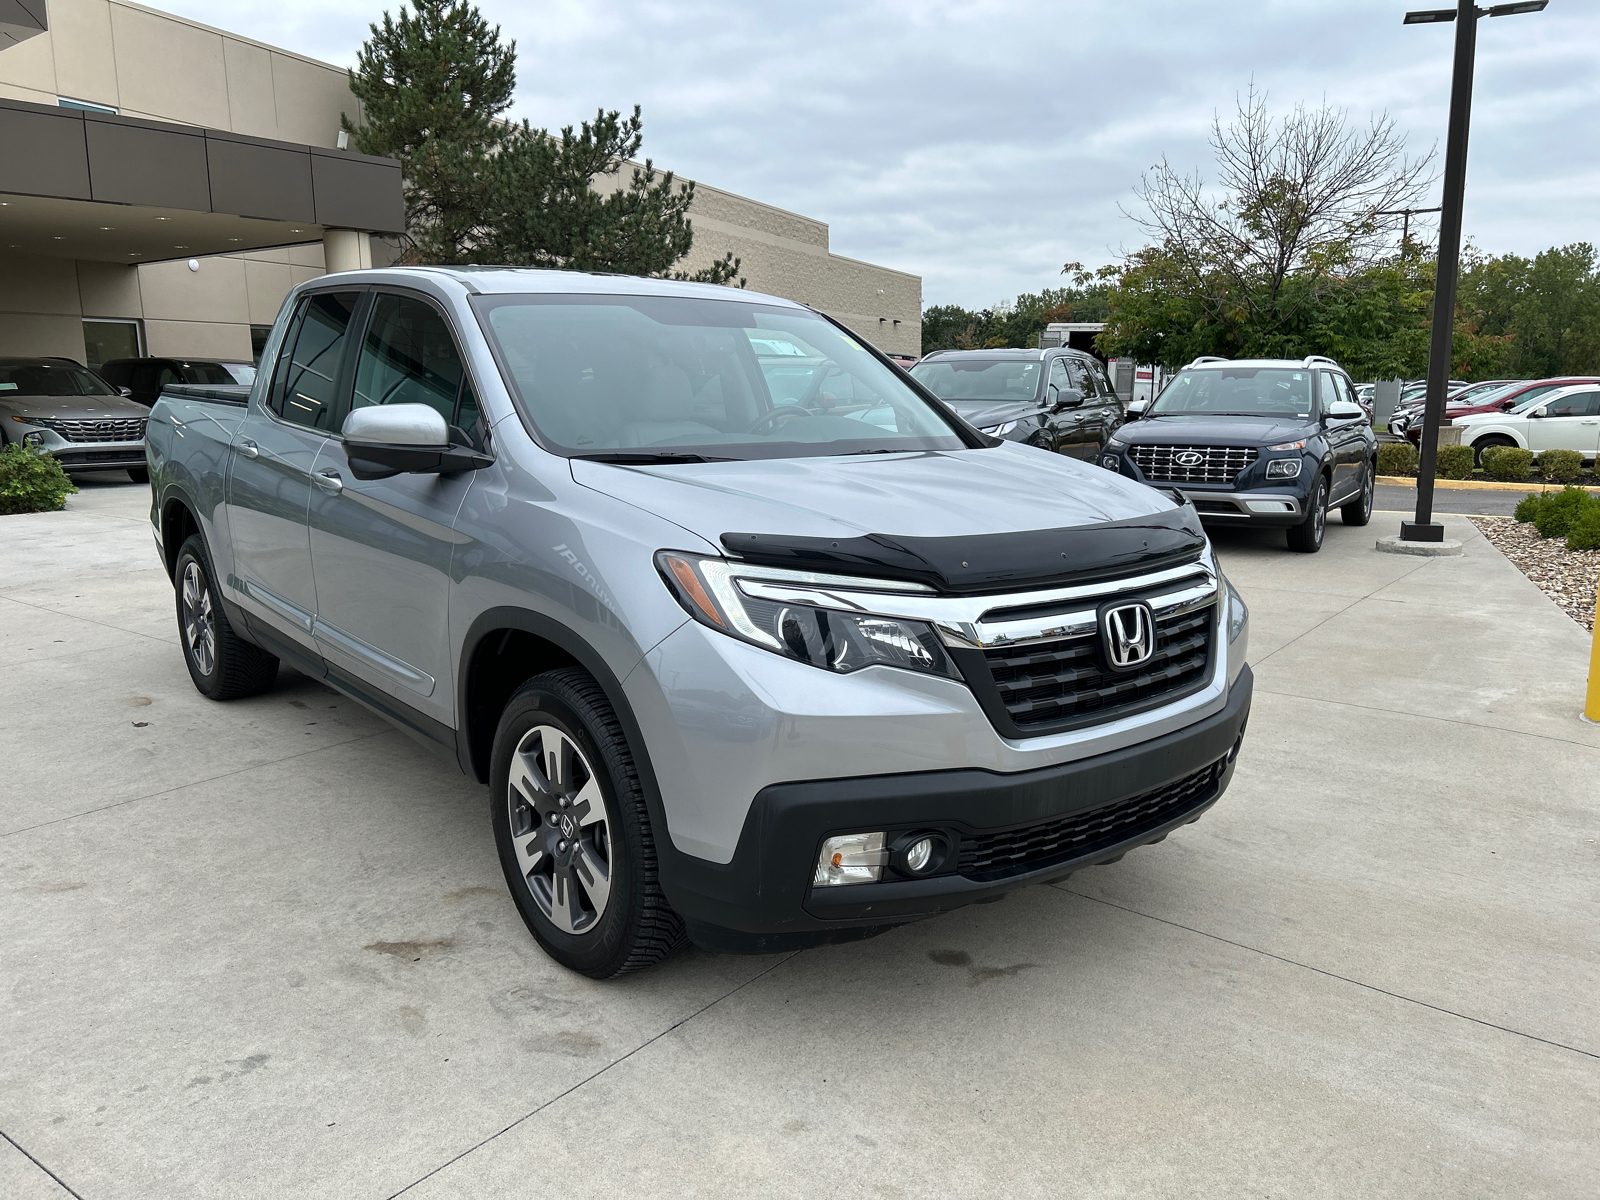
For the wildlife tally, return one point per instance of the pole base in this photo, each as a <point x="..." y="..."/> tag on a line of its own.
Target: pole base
<point x="1411" y="531"/>
<point x="1395" y="545"/>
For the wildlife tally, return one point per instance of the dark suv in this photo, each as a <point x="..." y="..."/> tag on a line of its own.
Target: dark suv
<point x="1057" y="399"/>
<point x="1259" y="441"/>
<point x="145" y="377"/>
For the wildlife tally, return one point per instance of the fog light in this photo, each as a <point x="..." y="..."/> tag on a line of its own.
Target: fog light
<point x="1111" y="463"/>
<point x="918" y="857"/>
<point x="33" y="438"/>
<point x="854" y="858"/>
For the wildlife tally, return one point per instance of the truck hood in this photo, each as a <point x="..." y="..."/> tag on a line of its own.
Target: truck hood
<point x="1200" y="429"/>
<point x="1005" y="489"/>
<point x="70" y="407"/>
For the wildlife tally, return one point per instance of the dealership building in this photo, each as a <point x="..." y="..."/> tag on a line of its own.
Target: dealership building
<point x="164" y="184"/>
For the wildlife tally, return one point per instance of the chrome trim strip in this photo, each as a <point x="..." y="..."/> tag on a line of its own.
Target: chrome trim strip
<point x="272" y="600"/>
<point x="331" y="637"/>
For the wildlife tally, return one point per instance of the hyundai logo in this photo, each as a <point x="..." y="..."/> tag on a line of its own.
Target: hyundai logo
<point x="1129" y="632"/>
<point x="1189" y="458"/>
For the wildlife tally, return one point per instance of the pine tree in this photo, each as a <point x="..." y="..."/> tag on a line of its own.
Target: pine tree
<point x="433" y="85"/>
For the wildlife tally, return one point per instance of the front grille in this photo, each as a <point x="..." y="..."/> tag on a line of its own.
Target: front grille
<point x="78" y="458"/>
<point x="110" y="429"/>
<point x="1047" y="684"/>
<point x="1215" y="464"/>
<point x="1035" y="847"/>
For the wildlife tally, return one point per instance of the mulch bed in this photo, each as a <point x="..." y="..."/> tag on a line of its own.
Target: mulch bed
<point x="1567" y="576"/>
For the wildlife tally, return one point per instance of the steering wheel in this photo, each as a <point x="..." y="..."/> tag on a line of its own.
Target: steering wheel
<point x="771" y="417"/>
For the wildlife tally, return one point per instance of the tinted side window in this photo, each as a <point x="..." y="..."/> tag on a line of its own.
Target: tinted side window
<point x="1082" y="378"/>
<point x="1579" y="404"/>
<point x="304" y="392"/>
<point x="408" y="357"/>
<point x="1058" y="375"/>
<point x="116" y="374"/>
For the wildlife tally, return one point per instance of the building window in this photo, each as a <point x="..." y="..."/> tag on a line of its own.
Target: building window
<point x="85" y="105"/>
<point x="258" y="341"/>
<point x="107" y="340"/>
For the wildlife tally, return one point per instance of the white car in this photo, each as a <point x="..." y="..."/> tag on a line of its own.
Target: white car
<point x="1565" y="419"/>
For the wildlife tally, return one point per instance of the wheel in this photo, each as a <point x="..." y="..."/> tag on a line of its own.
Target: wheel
<point x="139" y="474"/>
<point x="222" y="664"/>
<point x="573" y="831"/>
<point x="1359" y="510"/>
<point x="1489" y="443"/>
<point x="1306" y="537"/>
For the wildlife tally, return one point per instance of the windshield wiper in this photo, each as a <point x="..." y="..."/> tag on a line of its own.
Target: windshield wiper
<point x="879" y="450"/>
<point x="651" y="456"/>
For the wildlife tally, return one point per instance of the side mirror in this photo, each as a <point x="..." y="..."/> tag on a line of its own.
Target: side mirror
<point x="1136" y="409"/>
<point x="1344" y="410"/>
<point x="1068" y="397"/>
<point x="391" y="439"/>
<point x="125" y="393"/>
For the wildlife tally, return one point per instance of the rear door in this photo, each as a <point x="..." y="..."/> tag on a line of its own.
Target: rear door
<point x="381" y="548"/>
<point x="269" y="484"/>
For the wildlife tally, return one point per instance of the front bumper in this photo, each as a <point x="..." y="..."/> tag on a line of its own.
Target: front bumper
<point x="1264" y="508"/>
<point x="1007" y="831"/>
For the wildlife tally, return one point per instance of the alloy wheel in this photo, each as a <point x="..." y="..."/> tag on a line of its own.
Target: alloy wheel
<point x="199" y="626"/>
<point x="1319" y="514"/>
<point x="560" y="829"/>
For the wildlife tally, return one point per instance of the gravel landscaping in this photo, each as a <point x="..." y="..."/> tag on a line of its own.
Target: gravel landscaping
<point x="1567" y="576"/>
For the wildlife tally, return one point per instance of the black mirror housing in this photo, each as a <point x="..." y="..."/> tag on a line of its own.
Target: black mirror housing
<point x="1069" y="397"/>
<point x="377" y="460"/>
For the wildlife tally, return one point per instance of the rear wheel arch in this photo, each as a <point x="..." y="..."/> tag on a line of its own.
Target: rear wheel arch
<point x="178" y="524"/>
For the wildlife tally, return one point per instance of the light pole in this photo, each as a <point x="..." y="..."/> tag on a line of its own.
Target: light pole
<point x="1465" y="15"/>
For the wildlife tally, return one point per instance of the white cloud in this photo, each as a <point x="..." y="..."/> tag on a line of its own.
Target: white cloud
<point x="981" y="145"/>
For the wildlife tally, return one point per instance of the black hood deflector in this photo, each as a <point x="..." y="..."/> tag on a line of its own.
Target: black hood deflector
<point x="992" y="562"/>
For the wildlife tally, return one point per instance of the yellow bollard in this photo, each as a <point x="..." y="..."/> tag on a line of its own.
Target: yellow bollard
<point x="1591" y="704"/>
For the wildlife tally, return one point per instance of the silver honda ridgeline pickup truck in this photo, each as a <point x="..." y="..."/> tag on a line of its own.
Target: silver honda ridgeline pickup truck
<point x="753" y="640"/>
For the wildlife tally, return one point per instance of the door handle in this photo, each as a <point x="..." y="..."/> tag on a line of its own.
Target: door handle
<point x="329" y="481"/>
<point x="248" y="448"/>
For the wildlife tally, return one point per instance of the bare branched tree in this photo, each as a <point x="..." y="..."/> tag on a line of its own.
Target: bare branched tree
<point x="1300" y="198"/>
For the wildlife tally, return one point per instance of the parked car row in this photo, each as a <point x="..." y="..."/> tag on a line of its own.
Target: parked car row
<point x="94" y="420"/>
<point x="1533" y="414"/>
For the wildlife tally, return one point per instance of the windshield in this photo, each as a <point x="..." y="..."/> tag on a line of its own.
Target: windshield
<point x="1487" y="395"/>
<point x="196" y="372"/>
<point x="1238" y="391"/>
<point x="52" y="379"/>
<point x="958" y="379"/>
<point x="635" y="378"/>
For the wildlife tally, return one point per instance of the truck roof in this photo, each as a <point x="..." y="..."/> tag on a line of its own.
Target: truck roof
<point x="513" y="280"/>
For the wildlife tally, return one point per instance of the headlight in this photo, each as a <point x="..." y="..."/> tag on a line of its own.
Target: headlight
<point x="1283" y="468"/>
<point x="1238" y="613"/>
<point x="1300" y="445"/>
<point x="709" y="590"/>
<point x="997" y="430"/>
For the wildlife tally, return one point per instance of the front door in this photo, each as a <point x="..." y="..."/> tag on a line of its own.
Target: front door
<point x="269" y="483"/>
<point x="1570" y="422"/>
<point x="1347" y="446"/>
<point x="381" y="548"/>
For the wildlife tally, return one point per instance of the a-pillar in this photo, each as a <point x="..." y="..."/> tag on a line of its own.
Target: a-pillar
<point x="346" y="250"/>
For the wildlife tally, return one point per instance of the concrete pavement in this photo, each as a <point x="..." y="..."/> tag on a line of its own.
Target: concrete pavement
<point x="264" y="948"/>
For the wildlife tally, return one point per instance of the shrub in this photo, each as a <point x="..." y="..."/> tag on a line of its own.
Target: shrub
<point x="1560" y="466"/>
<point x="1585" y="531"/>
<point x="1557" y="512"/>
<point x="1508" y="462"/>
<point x="1397" y="458"/>
<point x="31" y="481"/>
<point x="1454" y="462"/>
<point x="1528" y="507"/>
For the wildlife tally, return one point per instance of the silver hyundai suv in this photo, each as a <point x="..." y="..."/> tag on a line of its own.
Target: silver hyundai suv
<point x="71" y="413"/>
<point x="753" y="640"/>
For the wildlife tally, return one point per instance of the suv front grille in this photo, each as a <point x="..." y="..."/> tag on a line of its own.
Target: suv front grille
<point x="1215" y="464"/>
<point x="1046" y="685"/>
<point x="111" y="429"/>
<point x="998" y="855"/>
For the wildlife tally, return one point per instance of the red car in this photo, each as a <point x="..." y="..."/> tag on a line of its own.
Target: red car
<point x="1512" y="396"/>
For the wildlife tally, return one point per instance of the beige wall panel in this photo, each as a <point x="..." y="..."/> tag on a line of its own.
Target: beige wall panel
<point x="10" y="92"/>
<point x="41" y="335"/>
<point x="309" y="255"/>
<point x="310" y="99"/>
<point x="197" y="339"/>
<point x="168" y="68"/>
<point x="39" y="285"/>
<point x="31" y="65"/>
<point x="251" y="107"/>
<point x="272" y="256"/>
<point x="267" y="285"/>
<point x="303" y="274"/>
<point x="86" y="67"/>
<point x="109" y="290"/>
<point x="216" y="292"/>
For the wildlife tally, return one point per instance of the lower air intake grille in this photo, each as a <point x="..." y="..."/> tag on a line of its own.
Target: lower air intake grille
<point x="1035" y="847"/>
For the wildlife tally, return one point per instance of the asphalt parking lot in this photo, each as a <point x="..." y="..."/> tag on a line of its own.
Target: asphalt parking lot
<point x="264" y="949"/>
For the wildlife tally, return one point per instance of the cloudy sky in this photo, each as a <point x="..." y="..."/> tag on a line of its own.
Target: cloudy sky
<point x="981" y="144"/>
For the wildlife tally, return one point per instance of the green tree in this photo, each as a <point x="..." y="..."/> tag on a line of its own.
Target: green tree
<point x="434" y="85"/>
<point x="1543" y="313"/>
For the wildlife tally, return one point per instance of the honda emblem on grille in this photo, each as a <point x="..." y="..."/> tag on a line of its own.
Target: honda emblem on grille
<point x="1129" y="634"/>
<point x="1189" y="458"/>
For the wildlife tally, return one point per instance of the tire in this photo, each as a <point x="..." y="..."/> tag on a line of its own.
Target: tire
<point x="1489" y="443"/>
<point x="139" y="474"/>
<point x="585" y="884"/>
<point x="1306" y="537"/>
<point x="1359" y="511"/>
<point x="222" y="664"/>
